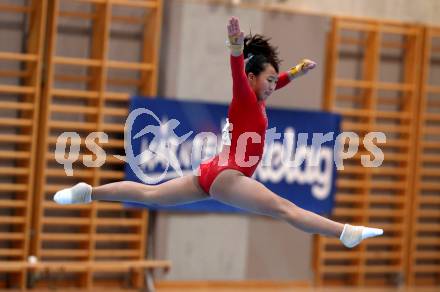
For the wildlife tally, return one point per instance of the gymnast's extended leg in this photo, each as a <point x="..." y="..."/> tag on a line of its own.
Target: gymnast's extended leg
<point x="233" y="188"/>
<point x="176" y="191"/>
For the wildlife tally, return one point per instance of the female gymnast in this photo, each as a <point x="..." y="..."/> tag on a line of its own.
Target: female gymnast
<point x="254" y="65"/>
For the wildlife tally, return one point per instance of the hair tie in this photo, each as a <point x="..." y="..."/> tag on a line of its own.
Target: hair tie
<point x="248" y="58"/>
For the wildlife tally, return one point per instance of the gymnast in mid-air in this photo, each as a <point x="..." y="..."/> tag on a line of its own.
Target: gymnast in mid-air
<point x="227" y="176"/>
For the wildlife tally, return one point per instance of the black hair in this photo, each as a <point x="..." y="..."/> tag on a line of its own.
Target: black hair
<point x="260" y="52"/>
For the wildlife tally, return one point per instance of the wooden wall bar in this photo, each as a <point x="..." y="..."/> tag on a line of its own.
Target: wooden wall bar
<point x="20" y="80"/>
<point x="88" y="90"/>
<point x="372" y="80"/>
<point x="424" y="257"/>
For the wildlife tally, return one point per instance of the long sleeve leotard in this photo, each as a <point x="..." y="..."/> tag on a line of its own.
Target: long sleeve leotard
<point x="249" y="123"/>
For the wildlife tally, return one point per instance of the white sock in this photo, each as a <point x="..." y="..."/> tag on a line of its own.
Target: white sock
<point x="353" y="235"/>
<point x="78" y="194"/>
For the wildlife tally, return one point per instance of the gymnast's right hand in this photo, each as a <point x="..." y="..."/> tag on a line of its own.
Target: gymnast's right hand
<point x="235" y="36"/>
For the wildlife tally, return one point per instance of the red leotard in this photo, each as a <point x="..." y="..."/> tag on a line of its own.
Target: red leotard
<point x="247" y="115"/>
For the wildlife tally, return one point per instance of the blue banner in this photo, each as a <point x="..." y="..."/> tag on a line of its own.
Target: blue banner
<point x="163" y="140"/>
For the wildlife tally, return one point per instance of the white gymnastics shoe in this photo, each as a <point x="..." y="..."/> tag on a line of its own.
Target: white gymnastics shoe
<point x="80" y="193"/>
<point x="353" y="235"/>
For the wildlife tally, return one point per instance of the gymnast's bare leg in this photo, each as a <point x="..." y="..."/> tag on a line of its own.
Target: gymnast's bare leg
<point x="173" y="192"/>
<point x="233" y="188"/>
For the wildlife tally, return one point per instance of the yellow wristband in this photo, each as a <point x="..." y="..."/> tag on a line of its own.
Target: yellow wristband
<point x="235" y="47"/>
<point x="296" y="71"/>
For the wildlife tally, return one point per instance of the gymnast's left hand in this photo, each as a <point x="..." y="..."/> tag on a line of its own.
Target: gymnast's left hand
<point x="301" y="69"/>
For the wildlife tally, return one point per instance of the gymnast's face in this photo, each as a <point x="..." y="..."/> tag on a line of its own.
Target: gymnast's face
<point x="264" y="84"/>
